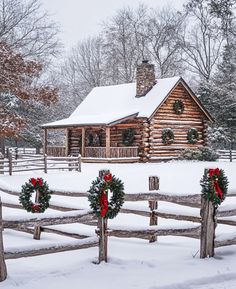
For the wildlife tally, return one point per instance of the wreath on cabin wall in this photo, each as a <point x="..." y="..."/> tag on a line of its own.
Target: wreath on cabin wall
<point x="128" y="136"/>
<point x="167" y="136"/>
<point x="43" y="195"/>
<point x="99" y="192"/>
<point x="193" y="136"/>
<point x="178" y="106"/>
<point x="214" y="185"/>
<point x="94" y="139"/>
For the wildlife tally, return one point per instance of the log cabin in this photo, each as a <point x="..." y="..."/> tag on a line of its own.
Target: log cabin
<point x="146" y="121"/>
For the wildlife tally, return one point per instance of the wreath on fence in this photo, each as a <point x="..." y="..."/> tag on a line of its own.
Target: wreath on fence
<point x="100" y="203"/>
<point x="214" y="186"/>
<point x="167" y="136"/>
<point x="178" y="106"/>
<point x="43" y="195"/>
<point x="193" y="136"/>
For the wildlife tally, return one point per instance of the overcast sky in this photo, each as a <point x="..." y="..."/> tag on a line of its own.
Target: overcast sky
<point x="79" y="19"/>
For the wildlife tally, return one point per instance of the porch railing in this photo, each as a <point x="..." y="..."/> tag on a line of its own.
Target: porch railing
<point x="97" y="152"/>
<point x="56" y="151"/>
<point x="115" y="152"/>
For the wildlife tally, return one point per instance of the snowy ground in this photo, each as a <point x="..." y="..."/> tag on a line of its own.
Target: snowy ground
<point x="171" y="263"/>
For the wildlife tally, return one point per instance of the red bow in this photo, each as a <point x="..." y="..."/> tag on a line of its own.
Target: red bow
<point x="38" y="181"/>
<point x="216" y="185"/>
<point x="108" y="178"/>
<point x="103" y="204"/>
<point x="213" y="172"/>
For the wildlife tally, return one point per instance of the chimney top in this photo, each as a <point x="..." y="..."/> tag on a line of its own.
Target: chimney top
<point x="145" y="78"/>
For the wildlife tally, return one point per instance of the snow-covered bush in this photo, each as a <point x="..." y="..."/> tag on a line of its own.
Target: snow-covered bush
<point x="200" y="154"/>
<point x="208" y="154"/>
<point x="218" y="137"/>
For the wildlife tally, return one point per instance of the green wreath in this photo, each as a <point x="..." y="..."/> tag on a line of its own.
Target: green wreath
<point x="214" y="186"/>
<point x="193" y="136"/>
<point x="43" y="194"/>
<point x="178" y="106"/>
<point x="167" y="136"/>
<point x="99" y="203"/>
<point x="128" y="136"/>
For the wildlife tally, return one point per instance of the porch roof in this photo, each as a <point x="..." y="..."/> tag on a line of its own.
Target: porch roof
<point x="108" y="104"/>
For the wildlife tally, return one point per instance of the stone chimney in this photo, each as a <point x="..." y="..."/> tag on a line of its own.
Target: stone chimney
<point x="145" y="78"/>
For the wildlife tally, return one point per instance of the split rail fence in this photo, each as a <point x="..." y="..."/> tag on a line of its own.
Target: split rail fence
<point x="202" y="226"/>
<point x="45" y="163"/>
<point x="227" y="155"/>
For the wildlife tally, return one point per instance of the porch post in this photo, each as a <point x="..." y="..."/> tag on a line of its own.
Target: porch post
<point x="83" y="143"/>
<point x="108" y="136"/>
<point x="67" y="142"/>
<point x="45" y="141"/>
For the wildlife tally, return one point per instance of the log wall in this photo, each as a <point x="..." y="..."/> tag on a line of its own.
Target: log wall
<point x="74" y="141"/>
<point x="165" y="117"/>
<point x="117" y="132"/>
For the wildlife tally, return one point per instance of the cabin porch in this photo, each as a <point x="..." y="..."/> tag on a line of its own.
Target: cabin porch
<point x="95" y="144"/>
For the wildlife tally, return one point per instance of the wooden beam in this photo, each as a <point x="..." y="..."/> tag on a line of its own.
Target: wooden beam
<point x="83" y="142"/>
<point x="192" y="232"/>
<point x="67" y="142"/>
<point x="108" y="142"/>
<point x="3" y="268"/>
<point x="45" y="141"/>
<point x="80" y="244"/>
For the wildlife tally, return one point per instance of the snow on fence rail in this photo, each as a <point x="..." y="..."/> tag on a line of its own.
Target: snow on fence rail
<point x="203" y="224"/>
<point x="44" y="163"/>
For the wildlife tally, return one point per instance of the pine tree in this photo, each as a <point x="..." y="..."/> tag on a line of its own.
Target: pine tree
<point x="225" y="86"/>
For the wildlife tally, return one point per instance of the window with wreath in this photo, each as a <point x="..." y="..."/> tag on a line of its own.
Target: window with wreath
<point x="192" y="136"/>
<point x="167" y="136"/>
<point x="128" y="136"/>
<point x="178" y="106"/>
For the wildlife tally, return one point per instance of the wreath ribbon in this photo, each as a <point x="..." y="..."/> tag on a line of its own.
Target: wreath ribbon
<point x="212" y="173"/>
<point x="103" y="204"/>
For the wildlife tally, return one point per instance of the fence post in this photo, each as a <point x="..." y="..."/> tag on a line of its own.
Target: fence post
<point x="208" y="225"/>
<point x="16" y="153"/>
<point x="45" y="164"/>
<point x="3" y="267"/>
<point x="10" y="163"/>
<point x="79" y="162"/>
<point x="1" y="163"/>
<point x="102" y="228"/>
<point x="154" y="184"/>
<point x="37" y="228"/>
<point x="69" y="163"/>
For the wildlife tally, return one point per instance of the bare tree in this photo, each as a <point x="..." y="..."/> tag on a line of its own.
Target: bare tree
<point x="125" y="43"/>
<point x="27" y="29"/>
<point x="202" y="42"/>
<point x="162" y="31"/>
<point x="82" y="70"/>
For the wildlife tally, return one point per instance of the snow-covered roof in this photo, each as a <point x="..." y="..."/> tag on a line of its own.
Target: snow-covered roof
<point x="108" y="104"/>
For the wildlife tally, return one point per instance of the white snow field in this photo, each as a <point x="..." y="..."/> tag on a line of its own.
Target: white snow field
<point x="169" y="263"/>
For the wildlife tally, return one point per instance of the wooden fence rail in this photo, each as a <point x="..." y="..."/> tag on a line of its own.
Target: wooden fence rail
<point x="227" y="155"/>
<point x="202" y="227"/>
<point x="44" y="163"/>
